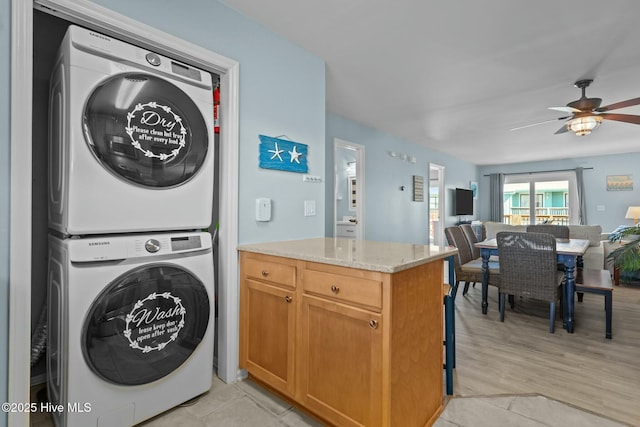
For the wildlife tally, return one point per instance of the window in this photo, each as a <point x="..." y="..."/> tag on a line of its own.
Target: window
<point x="554" y="196"/>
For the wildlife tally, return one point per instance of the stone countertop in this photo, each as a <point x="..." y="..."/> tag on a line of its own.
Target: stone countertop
<point x="386" y="257"/>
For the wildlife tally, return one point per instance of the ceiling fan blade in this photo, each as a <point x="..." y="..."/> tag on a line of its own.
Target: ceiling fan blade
<point x="565" y="109"/>
<point x="540" y="123"/>
<point x="628" y="118"/>
<point x="621" y="104"/>
<point x="563" y="129"/>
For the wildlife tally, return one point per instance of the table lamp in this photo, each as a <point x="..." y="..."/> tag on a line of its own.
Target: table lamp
<point x="633" y="213"/>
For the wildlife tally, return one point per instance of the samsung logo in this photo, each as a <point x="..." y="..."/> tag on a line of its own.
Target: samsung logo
<point x="100" y="36"/>
<point x="99" y="243"/>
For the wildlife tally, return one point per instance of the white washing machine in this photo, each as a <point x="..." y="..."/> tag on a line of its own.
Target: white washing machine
<point x="131" y="139"/>
<point x="131" y="326"/>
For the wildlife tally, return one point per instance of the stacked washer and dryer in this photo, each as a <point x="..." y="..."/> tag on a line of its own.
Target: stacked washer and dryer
<point x="131" y="277"/>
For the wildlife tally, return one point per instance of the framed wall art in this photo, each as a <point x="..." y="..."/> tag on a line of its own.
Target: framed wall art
<point x="353" y="193"/>
<point x="473" y="186"/>
<point x="418" y="188"/>
<point x="282" y="154"/>
<point x="619" y="182"/>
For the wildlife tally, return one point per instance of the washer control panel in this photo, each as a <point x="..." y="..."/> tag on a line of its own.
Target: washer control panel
<point x="152" y="246"/>
<point x="185" y="243"/>
<point x="122" y="247"/>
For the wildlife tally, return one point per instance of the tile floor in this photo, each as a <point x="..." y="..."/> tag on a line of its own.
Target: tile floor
<point x="243" y="404"/>
<point x="246" y="404"/>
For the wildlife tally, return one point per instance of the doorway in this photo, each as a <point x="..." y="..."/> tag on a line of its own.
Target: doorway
<point x="349" y="185"/>
<point x="541" y="198"/>
<point x="436" y="204"/>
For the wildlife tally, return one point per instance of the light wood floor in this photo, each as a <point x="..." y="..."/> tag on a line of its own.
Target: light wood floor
<point x="521" y="356"/>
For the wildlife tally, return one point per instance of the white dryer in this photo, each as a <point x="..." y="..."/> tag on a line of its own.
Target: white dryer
<point x="131" y="326"/>
<point x="131" y="139"/>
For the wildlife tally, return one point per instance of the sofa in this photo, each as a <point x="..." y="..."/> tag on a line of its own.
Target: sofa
<point x="594" y="257"/>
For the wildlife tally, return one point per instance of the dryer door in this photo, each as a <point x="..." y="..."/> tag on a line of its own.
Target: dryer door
<point x="146" y="130"/>
<point x="145" y="324"/>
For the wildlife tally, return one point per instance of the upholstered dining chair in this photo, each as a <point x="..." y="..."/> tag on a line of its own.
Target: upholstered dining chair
<point x="467" y="268"/>
<point x="467" y="230"/>
<point x="557" y="231"/>
<point x="528" y="268"/>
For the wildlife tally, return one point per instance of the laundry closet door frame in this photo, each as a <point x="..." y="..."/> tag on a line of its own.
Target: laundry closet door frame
<point x="105" y="20"/>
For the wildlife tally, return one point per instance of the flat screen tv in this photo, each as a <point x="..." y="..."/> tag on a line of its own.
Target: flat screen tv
<point x="464" y="202"/>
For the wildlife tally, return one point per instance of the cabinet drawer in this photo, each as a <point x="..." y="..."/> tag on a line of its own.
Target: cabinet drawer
<point x="272" y="271"/>
<point x="344" y="230"/>
<point x="356" y="290"/>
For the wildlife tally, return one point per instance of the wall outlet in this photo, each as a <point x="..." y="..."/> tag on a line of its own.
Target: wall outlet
<point x="311" y="178"/>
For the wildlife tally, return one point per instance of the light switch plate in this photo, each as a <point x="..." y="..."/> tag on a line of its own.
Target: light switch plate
<point x="309" y="207"/>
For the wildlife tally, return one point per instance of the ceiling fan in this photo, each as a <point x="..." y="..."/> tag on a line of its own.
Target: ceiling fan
<point x="587" y="114"/>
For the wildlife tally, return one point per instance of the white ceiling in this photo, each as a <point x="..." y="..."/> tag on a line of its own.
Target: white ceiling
<point x="456" y="76"/>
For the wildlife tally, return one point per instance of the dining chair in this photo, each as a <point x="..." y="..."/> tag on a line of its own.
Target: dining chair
<point x="467" y="268"/>
<point x="449" y="291"/>
<point x="472" y="239"/>
<point x="528" y="269"/>
<point x="557" y="231"/>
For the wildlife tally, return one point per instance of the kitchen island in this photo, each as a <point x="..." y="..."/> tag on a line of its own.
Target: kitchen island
<point x="350" y="330"/>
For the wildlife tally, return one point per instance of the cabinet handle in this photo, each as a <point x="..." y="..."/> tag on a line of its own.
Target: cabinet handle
<point x="335" y="289"/>
<point x="288" y="298"/>
<point x="265" y="273"/>
<point x="373" y="324"/>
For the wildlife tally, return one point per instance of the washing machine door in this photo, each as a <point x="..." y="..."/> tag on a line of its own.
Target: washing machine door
<point x="145" y="324"/>
<point x="145" y="130"/>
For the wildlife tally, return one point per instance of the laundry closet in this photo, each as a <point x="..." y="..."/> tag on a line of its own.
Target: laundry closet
<point x="124" y="219"/>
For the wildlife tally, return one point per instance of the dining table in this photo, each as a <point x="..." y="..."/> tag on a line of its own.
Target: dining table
<point x="569" y="252"/>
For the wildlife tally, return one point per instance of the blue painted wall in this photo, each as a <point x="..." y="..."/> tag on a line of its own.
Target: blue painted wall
<point x="282" y="92"/>
<point x="391" y="214"/>
<point x="615" y="202"/>
<point x="5" y="135"/>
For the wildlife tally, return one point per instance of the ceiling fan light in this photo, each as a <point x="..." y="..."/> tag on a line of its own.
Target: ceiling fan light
<point x="582" y="126"/>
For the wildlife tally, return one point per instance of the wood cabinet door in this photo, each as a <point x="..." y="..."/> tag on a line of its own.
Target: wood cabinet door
<point x="268" y="333"/>
<point x="340" y="362"/>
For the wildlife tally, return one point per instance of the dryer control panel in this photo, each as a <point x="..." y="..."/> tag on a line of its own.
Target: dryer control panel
<point x="102" y="45"/>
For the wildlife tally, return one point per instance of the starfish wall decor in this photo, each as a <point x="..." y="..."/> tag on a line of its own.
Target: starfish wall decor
<point x="282" y="154"/>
